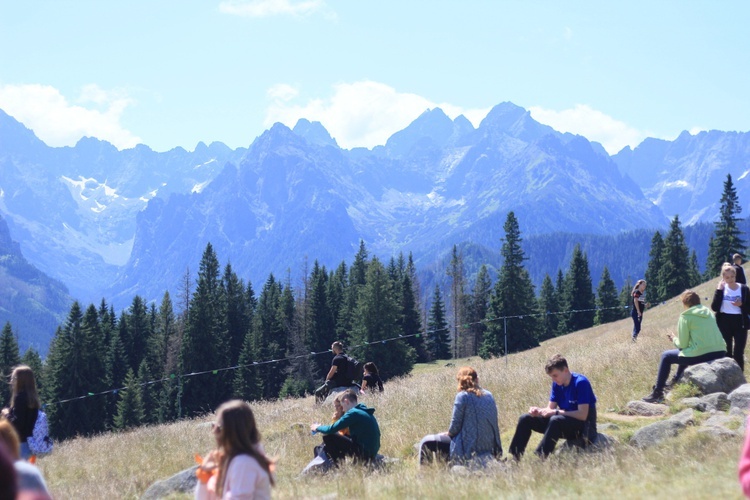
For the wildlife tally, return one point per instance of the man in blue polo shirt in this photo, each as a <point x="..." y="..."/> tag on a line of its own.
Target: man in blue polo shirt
<point x="570" y="414"/>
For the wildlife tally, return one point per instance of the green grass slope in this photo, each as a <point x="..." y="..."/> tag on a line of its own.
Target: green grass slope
<point x="123" y="465"/>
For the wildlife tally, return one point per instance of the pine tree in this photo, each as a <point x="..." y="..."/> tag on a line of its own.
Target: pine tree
<point x="138" y="332"/>
<point x="130" y="411"/>
<point x="33" y="360"/>
<point x="694" y="270"/>
<point x="562" y="327"/>
<point x="477" y="307"/>
<point x="149" y="394"/>
<point x="607" y="301"/>
<point x="321" y="330"/>
<point x="163" y="355"/>
<point x="235" y="312"/>
<point x="578" y="297"/>
<point x="655" y="263"/>
<point x="438" y="335"/>
<point x="411" y="305"/>
<point x="269" y="337"/>
<point x="513" y="297"/>
<point x="548" y="305"/>
<point x="727" y="239"/>
<point x="626" y="298"/>
<point x="674" y="275"/>
<point x="92" y="371"/>
<point x="456" y="272"/>
<point x="9" y="359"/>
<point x="117" y="367"/>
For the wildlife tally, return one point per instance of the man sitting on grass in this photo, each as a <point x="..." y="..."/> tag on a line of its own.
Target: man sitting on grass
<point x="570" y="414"/>
<point x="363" y="441"/>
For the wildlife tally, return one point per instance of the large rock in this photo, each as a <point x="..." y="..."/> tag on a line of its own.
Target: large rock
<point x="655" y="433"/>
<point x="721" y="375"/>
<point x="644" y="409"/>
<point x="685" y="417"/>
<point x="603" y="442"/>
<point x="717" y="401"/>
<point x="740" y="397"/>
<point x="182" y="482"/>
<point x="718" y="432"/>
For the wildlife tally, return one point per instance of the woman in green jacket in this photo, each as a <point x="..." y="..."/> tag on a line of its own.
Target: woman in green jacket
<point x="698" y="340"/>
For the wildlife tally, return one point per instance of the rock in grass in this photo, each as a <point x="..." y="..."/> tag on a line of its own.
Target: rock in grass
<point x="721" y="375"/>
<point x="740" y="397"/>
<point x="643" y="409"/>
<point x="182" y="482"/>
<point x="718" y="432"/>
<point x="655" y="433"/>
<point x="716" y="401"/>
<point x="685" y="417"/>
<point x="722" y="420"/>
<point x="608" y="426"/>
<point x="603" y="442"/>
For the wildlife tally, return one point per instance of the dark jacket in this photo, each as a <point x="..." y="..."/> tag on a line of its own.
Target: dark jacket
<point x="744" y="308"/>
<point x="22" y="417"/>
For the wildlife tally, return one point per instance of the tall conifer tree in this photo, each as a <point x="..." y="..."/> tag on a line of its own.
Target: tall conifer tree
<point x="727" y="238"/>
<point x="438" y="335"/>
<point x="655" y="263"/>
<point x="548" y="305"/>
<point x="9" y="358"/>
<point x="607" y="301"/>
<point x="674" y="275"/>
<point x="578" y="297"/>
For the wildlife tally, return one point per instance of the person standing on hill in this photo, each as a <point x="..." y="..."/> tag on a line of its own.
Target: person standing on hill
<point x="698" y="340"/>
<point x="570" y="413"/>
<point x="639" y="305"/>
<point x="731" y="303"/>
<point x="337" y="375"/>
<point x="739" y="271"/>
<point x="24" y="407"/>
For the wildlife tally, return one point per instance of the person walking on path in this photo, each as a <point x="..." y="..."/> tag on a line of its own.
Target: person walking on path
<point x="639" y="305"/>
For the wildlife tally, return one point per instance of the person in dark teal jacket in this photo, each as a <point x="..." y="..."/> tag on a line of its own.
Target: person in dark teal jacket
<point x="363" y="441"/>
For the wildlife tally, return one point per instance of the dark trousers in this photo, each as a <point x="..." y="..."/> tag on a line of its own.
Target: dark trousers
<point x="434" y="446"/>
<point x="672" y="357"/>
<point x="321" y="393"/>
<point x="338" y="447"/>
<point x="734" y="335"/>
<point x="554" y="428"/>
<point x="636" y="322"/>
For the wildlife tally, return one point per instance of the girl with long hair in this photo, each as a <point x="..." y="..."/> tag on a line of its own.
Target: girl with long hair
<point x="238" y="467"/>
<point x="371" y="379"/>
<point x="731" y="304"/>
<point x="639" y="305"/>
<point x="24" y="406"/>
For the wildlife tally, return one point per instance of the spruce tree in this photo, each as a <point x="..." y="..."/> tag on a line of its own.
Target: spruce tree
<point x="32" y="359"/>
<point x="513" y="297"/>
<point x="130" y="411"/>
<point x="438" y="335"/>
<point x="92" y="371"/>
<point x="694" y="270"/>
<point x="479" y="305"/>
<point x="626" y="298"/>
<point x="548" y="305"/>
<point x="138" y="332"/>
<point x="456" y="272"/>
<point x="149" y="393"/>
<point x="321" y="325"/>
<point x="117" y="367"/>
<point x="727" y="238"/>
<point x="235" y="312"/>
<point x="578" y="297"/>
<point x="9" y="359"/>
<point x="607" y="301"/>
<point x="674" y="275"/>
<point x="269" y="338"/>
<point x="411" y="308"/>
<point x="655" y="263"/>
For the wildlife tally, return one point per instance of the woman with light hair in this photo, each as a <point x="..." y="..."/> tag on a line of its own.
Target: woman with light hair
<point x="731" y="303"/>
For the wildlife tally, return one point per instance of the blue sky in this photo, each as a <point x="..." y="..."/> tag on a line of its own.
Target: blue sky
<point x="170" y="73"/>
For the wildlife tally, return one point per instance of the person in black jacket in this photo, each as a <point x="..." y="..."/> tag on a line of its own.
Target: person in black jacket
<point x="740" y="277"/>
<point x="731" y="303"/>
<point x="371" y="380"/>
<point x="24" y="406"/>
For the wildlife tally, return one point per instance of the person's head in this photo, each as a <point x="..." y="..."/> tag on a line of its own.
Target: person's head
<point x="557" y="369"/>
<point x="236" y="433"/>
<point x="737" y="259"/>
<point x="371" y="368"/>
<point x="337" y="347"/>
<point x="9" y="437"/>
<point x="728" y="273"/>
<point x="348" y="400"/>
<point x="22" y="380"/>
<point x="8" y="480"/>
<point x="690" y="298"/>
<point x="640" y="285"/>
<point x="468" y="380"/>
<point x="337" y="408"/>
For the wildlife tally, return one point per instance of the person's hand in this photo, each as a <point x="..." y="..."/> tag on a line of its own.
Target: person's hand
<point x="670" y="336"/>
<point x="314" y="427"/>
<point x="546" y="412"/>
<point x="721" y="285"/>
<point x="5" y="412"/>
<point x="737" y="302"/>
<point x="535" y="411"/>
<point x="444" y="434"/>
<point x="211" y="461"/>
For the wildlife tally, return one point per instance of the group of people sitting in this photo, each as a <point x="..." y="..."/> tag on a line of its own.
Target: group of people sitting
<point x="343" y="373"/>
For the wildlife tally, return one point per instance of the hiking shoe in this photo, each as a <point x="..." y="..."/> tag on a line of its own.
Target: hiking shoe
<point x="634" y="338"/>
<point x="656" y="396"/>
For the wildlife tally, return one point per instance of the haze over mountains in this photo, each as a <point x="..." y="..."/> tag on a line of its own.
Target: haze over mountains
<point x="113" y="224"/>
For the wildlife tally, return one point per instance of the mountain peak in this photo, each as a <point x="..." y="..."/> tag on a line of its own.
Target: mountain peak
<point x="507" y="118"/>
<point x="314" y="133"/>
<point x="432" y="124"/>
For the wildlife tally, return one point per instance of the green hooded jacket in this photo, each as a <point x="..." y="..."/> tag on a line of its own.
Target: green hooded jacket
<point x="697" y="333"/>
<point x="363" y="428"/>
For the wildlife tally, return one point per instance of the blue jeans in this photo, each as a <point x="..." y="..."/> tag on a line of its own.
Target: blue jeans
<point x="636" y="322"/>
<point x="25" y="451"/>
<point x="672" y="357"/>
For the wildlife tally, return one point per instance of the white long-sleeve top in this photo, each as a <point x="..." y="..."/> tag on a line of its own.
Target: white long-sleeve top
<point x="245" y="480"/>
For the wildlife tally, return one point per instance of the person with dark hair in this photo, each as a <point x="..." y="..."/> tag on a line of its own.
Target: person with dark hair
<point x="8" y="482"/>
<point x="698" y="340"/>
<point x="639" y="305"/>
<point x="29" y="478"/>
<point x="570" y="413"/>
<point x="363" y="441"/>
<point x="731" y="303"/>
<point x="371" y="379"/>
<point x="337" y="375"/>
<point x="24" y="407"/>
<point x="739" y="271"/>
<point x="238" y="467"/>
<point x="473" y="433"/>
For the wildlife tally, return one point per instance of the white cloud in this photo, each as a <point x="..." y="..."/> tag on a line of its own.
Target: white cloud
<point x="592" y="124"/>
<point x="362" y="113"/>
<point x="57" y="122"/>
<point x="267" y="8"/>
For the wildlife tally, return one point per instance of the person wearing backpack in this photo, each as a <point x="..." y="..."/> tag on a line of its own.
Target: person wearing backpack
<point x="338" y="375"/>
<point x="24" y="407"/>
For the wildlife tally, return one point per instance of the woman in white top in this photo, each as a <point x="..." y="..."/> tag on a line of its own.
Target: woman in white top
<point x="238" y="468"/>
<point x="731" y="304"/>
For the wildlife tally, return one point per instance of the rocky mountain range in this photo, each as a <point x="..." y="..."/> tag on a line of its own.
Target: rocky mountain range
<point x="113" y="224"/>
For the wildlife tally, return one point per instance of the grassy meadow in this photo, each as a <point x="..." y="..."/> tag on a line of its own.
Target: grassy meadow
<point x="123" y="465"/>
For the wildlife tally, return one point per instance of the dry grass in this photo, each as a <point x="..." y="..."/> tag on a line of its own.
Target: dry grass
<point x="693" y="466"/>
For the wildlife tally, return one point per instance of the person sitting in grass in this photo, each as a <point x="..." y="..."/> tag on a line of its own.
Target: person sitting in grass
<point x="371" y="379"/>
<point x="363" y="441"/>
<point x="570" y="413"/>
<point x="698" y="340"/>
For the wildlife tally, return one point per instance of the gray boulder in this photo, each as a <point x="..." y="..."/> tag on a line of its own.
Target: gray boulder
<point x="685" y="417"/>
<point x="740" y="397"/>
<point x="182" y="482"/>
<point x="721" y="375"/>
<point x="718" y="432"/>
<point x="643" y="409"/>
<point x="655" y="433"/>
<point x="722" y="420"/>
<point x="711" y="402"/>
<point x="603" y="442"/>
<point x="608" y="427"/>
